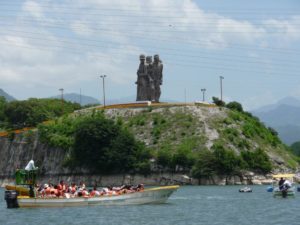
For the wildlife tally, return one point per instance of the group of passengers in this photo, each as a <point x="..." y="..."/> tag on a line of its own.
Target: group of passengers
<point x="64" y="190"/>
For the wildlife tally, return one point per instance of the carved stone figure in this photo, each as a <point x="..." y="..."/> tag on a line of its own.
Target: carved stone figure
<point x="157" y="76"/>
<point x="142" y="81"/>
<point x="149" y="79"/>
<point x="151" y="90"/>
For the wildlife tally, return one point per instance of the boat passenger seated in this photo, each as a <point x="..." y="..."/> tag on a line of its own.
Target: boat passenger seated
<point x="72" y="189"/>
<point x="94" y="192"/>
<point x="280" y="183"/>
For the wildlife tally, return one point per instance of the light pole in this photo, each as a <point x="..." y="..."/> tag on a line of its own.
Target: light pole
<point x="80" y="97"/>
<point x="62" y="100"/>
<point x="221" y="78"/>
<point x="203" y="93"/>
<point x="103" y="87"/>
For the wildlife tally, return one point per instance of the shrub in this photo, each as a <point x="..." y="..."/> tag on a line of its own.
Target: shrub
<point x="218" y="102"/>
<point x="235" y="106"/>
<point x="257" y="160"/>
<point x="205" y="165"/>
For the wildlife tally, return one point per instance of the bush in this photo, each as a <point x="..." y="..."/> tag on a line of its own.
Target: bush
<point x="100" y="145"/>
<point x="228" y="163"/>
<point x="205" y="165"/>
<point x="296" y="148"/>
<point x="218" y="102"/>
<point x="235" y="106"/>
<point x="34" y="111"/>
<point x="257" y="160"/>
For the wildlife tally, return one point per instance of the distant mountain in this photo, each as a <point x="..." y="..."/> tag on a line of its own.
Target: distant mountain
<point x="284" y="116"/>
<point x="6" y="96"/>
<point x="86" y="100"/>
<point x="83" y="100"/>
<point x="291" y="101"/>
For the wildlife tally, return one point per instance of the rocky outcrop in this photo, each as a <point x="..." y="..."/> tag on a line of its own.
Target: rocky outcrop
<point x="18" y="152"/>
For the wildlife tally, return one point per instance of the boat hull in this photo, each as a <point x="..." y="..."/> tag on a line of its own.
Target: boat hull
<point x="279" y="194"/>
<point x="148" y="196"/>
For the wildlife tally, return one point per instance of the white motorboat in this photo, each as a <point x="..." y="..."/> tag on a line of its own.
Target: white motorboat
<point x="245" y="189"/>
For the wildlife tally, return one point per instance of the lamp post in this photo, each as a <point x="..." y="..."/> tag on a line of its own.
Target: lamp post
<point x="62" y="100"/>
<point x="203" y="94"/>
<point x="103" y="87"/>
<point x="221" y="78"/>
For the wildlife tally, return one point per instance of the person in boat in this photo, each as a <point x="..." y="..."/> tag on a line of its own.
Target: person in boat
<point x="94" y="192"/>
<point x="280" y="183"/>
<point x="81" y="185"/>
<point x="61" y="187"/>
<point x="72" y="189"/>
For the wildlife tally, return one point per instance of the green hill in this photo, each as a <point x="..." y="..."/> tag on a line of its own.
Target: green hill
<point x="201" y="141"/>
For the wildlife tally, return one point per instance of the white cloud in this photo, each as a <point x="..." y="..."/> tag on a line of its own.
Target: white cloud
<point x="113" y="42"/>
<point x="285" y="30"/>
<point x="33" y="8"/>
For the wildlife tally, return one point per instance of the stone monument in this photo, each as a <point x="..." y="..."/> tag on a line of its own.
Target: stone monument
<point x="149" y="79"/>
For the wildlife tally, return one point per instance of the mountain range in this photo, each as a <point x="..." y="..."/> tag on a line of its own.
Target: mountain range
<point x="80" y="99"/>
<point x="284" y="117"/>
<point x="6" y="96"/>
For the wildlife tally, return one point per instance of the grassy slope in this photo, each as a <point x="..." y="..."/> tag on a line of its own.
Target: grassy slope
<point x="200" y="127"/>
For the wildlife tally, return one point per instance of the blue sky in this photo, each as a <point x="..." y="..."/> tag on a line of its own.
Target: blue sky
<point x="255" y="45"/>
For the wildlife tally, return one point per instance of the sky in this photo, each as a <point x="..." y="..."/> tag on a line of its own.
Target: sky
<point x="255" y="45"/>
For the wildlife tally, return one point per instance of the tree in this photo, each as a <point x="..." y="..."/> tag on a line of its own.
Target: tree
<point x="228" y="163"/>
<point x="100" y="145"/>
<point x="218" y="102"/>
<point x="235" y="106"/>
<point x="2" y="107"/>
<point x="296" y="148"/>
<point x="33" y="111"/>
<point x="257" y="160"/>
<point x="205" y="165"/>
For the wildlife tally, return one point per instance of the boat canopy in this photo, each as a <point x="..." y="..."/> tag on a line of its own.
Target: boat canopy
<point x="285" y="175"/>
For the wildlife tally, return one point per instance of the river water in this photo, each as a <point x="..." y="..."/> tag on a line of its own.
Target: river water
<point x="209" y="205"/>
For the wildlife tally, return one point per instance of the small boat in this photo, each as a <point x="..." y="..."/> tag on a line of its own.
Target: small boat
<point x="245" y="189"/>
<point x="270" y="189"/>
<point x="286" y="189"/>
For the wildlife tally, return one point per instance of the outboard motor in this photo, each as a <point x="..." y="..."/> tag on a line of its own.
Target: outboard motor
<point x="11" y="198"/>
<point x="284" y="193"/>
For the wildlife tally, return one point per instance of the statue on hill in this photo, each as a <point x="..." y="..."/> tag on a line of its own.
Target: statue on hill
<point x="149" y="79"/>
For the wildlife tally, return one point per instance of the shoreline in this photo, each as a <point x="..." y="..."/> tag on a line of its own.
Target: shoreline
<point x="161" y="179"/>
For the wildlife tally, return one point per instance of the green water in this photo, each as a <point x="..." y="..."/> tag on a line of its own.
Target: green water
<point x="209" y="205"/>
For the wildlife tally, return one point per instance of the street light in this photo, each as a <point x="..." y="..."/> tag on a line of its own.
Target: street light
<point x="103" y="87"/>
<point x="221" y="78"/>
<point x="203" y="93"/>
<point x="62" y="100"/>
